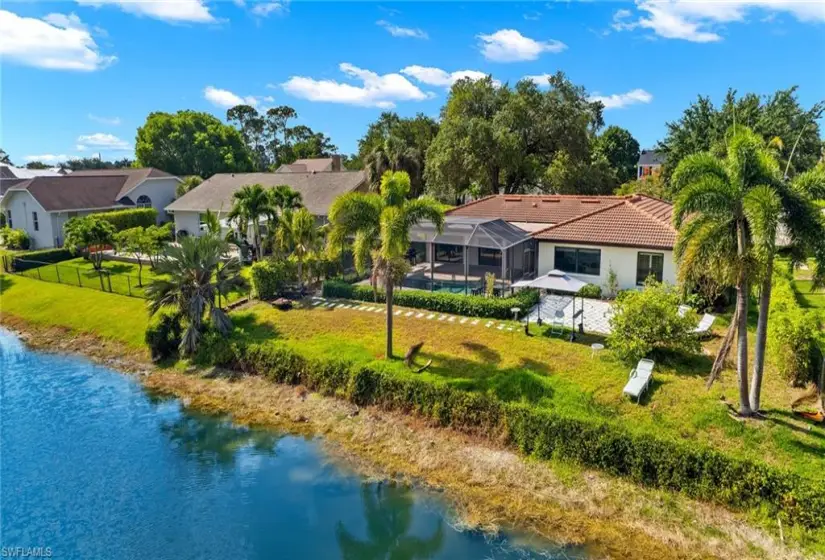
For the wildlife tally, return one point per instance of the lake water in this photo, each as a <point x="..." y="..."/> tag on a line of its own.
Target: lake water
<point x="93" y="467"/>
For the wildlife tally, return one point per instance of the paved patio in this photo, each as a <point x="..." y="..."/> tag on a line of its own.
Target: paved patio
<point x="596" y="312"/>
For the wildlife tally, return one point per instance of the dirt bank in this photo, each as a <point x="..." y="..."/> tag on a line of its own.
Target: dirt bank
<point x="488" y="485"/>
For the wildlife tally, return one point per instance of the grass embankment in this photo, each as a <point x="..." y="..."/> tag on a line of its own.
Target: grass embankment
<point x="814" y="299"/>
<point x="557" y="375"/>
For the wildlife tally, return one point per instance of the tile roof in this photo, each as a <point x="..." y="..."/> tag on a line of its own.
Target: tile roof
<point x="74" y="192"/>
<point x="636" y="221"/>
<point x="307" y="165"/>
<point x="135" y="176"/>
<point x="318" y="190"/>
<point x="544" y="209"/>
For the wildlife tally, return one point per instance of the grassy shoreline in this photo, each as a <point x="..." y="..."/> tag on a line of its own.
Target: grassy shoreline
<point x="488" y="485"/>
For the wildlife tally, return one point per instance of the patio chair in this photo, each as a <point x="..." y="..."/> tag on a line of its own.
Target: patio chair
<point x="683" y="310"/>
<point x="639" y="379"/>
<point x="705" y="324"/>
<point x="557" y="327"/>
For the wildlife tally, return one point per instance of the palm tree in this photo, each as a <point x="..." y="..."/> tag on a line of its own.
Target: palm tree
<point x="380" y="224"/>
<point x="298" y="234"/>
<point x="716" y="213"/>
<point x="388" y="513"/>
<point x="283" y="198"/>
<point x="250" y="204"/>
<point x="193" y="275"/>
<point x="396" y="155"/>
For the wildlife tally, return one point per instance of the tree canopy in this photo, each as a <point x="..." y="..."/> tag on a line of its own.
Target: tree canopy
<point x="272" y="142"/>
<point x="778" y="118"/>
<point x="621" y="151"/>
<point x="191" y="143"/>
<point x="495" y="139"/>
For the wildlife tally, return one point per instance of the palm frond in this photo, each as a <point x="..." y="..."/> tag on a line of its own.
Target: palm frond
<point x="763" y="210"/>
<point x="707" y="194"/>
<point x="695" y="166"/>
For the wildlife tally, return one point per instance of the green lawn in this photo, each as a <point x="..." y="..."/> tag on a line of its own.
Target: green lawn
<point x="122" y="279"/>
<point x="543" y="371"/>
<point x="555" y="374"/>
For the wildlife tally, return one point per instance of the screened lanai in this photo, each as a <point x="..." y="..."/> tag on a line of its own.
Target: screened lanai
<point x="458" y="258"/>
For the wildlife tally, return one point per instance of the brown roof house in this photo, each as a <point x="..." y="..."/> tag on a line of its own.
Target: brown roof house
<point x="317" y="188"/>
<point x="585" y="236"/>
<point x="43" y="205"/>
<point x="312" y="165"/>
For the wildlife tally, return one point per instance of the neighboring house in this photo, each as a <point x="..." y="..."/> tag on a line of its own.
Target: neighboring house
<point x="10" y="176"/>
<point x="588" y="236"/>
<point x="43" y="205"/>
<point x="312" y="165"/>
<point x="650" y="163"/>
<point x="318" y="190"/>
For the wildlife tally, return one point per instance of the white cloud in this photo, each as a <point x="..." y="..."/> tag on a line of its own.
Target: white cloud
<point x="265" y="9"/>
<point x="698" y="21"/>
<point x="173" y="11"/>
<point x="112" y="121"/>
<point x="621" y="100"/>
<point x="375" y="90"/>
<point x="397" y="31"/>
<point x="227" y="99"/>
<point x="438" y="77"/>
<point x="508" y="45"/>
<point x="62" y="43"/>
<point x="49" y="158"/>
<point x="532" y="16"/>
<point x="539" y="79"/>
<point x="101" y="140"/>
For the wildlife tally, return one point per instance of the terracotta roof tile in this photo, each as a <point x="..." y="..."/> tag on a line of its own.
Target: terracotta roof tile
<point x="545" y="209"/>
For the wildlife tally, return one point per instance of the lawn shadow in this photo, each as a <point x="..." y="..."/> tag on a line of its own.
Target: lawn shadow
<point x="683" y="364"/>
<point x="6" y="282"/>
<point x="485" y="353"/>
<point x="121" y="268"/>
<point x="784" y="421"/>
<point x="253" y="328"/>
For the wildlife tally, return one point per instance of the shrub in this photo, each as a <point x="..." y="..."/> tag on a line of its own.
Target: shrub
<point x="129" y="218"/>
<point x="697" y="471"/>
<point x="593" y="291"/>
<point x="649" y="319"/>
<point x="794" y="334"/>
<point x="33" y="259"/>
<point x="470" y="306"/>
<point x="163" y="335"/>
<point x="16" y="239"/>
<point x="271" y="277"/>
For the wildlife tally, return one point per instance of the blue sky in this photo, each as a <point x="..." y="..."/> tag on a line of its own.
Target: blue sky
<point x="78" y="78"/>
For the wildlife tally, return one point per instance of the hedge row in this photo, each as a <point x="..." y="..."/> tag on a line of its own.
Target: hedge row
<point x="130" y="218"/>
<point x="470" y="306"/>
<point x="270" y="278"/>
<point x="646" y="459"/>
<point x="34" y="259"/>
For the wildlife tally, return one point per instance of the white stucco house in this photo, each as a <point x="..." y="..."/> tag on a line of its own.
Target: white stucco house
<point x="584" y="236"/>
<point x="42" y="205"/>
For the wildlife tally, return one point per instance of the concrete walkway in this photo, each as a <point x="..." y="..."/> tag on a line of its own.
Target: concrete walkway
<point x="596" y="312"/>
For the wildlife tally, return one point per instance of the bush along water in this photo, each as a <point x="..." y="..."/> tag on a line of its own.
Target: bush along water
<point x="655" y="461"/>
<point x="470" y="306"/>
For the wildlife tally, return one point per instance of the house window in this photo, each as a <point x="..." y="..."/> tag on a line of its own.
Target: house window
<point x="35" y="223"/>
<point x="449" y="253"/>
<point x="649" y="264"/>
<point x="143" y="201"/>
<point x="489" y="257"/>
<point x="578" y="261"/>
<point x="417" y="253"/>
<point x="8" y="219"/>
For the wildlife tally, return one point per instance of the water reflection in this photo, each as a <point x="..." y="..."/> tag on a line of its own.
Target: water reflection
<point x="388" y="513"/>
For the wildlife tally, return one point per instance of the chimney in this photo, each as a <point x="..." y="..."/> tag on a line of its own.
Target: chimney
<point x="336" y="163"/>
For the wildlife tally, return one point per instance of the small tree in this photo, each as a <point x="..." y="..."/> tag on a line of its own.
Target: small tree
<point x="156" y="239"/>
<point x="297" y="234"/>
<point x="136" y="242"/>
<point x="92" y="234"/>
<point x="649" y="319"/>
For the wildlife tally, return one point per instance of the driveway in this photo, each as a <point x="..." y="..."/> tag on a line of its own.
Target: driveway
<point x="596" y="312"/>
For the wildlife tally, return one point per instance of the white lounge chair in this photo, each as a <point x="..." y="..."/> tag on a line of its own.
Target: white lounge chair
<point x="639" y="379"/>
<point x="705" y="324"/>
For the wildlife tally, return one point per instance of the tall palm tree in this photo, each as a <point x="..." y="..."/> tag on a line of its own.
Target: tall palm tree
<point x="380" y="224"/>
<point x="283" y="198"/>
<point x="193" y="274"/>
<point x="298" y="234"/>
<point x="716" y="213"/>
<point x="396" y="155"/>
<point x="786" y="205"/>
<point x="249" y="205"/>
